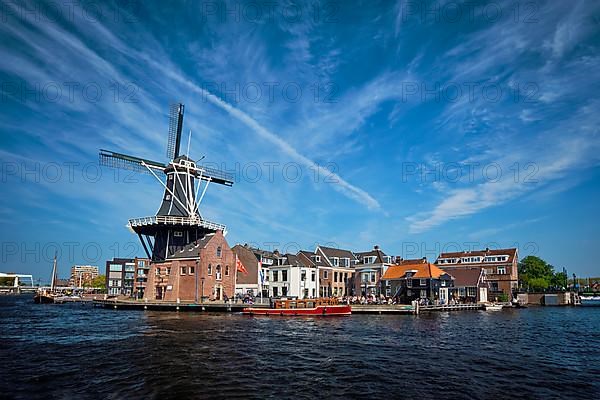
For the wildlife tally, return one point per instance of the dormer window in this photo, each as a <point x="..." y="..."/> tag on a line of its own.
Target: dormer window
<point x="316" y="258"/>
<point x="335" y="261"/>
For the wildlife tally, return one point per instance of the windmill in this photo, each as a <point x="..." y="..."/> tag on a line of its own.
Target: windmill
<point x="177" y="222"/>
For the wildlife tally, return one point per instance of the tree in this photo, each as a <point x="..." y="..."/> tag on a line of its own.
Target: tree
<point x="559" y="280"/>
<point x="98" y="282"/>
<point x="536" y="273"/>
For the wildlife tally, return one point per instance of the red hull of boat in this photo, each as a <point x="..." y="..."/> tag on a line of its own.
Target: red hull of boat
<point x="320" y="311"/>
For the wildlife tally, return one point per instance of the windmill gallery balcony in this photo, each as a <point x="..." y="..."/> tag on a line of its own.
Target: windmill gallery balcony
<point x="175" y="220"/>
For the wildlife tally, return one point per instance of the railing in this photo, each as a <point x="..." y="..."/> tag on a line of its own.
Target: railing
<point x="173" y="220"/>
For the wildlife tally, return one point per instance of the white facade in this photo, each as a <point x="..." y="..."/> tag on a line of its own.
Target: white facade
<point x="293" y="281"/>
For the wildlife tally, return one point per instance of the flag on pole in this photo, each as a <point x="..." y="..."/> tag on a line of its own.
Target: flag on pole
<point x="261" y="273"/>
<point x="239" y="266"/>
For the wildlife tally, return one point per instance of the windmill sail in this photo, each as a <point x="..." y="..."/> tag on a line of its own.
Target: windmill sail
<point x="124" y="161"/>
<point x="175" y="126"/>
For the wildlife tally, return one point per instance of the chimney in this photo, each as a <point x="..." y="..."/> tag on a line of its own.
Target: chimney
<point x="376" y="247"/>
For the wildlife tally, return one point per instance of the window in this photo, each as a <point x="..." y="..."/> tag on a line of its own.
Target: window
<point x="313" y="277"/>
<point x="192" y="270"/>
<point x="422" y="282"/>
<point x="275" y="292"/>
<point x="423" y="294"/>
<point x="316" y="258"/>
<point x="284" y="276"/>
<point x="345" y="262"/>
<point x="183" y="270"/>
<point x="501" y="270"/>
<point x="284" y="291"/>
<point x="334" y="261"/>
<point x="209" y="269"/>
<point x="275" y="276"/>
<point x="373" y="277"/>
<point x="335" y="276"/>
<point x="303" y="276"/>
<point x="168" y="270"/>
<point x="157" y="271"/>
<point x="218" y="272"/>
<point x="115" y="267"/>
<point x="227" y="270"/>
<point x="325" y="274"/>
<point x="409" y="293"/>
<point x="387" y="259"/>
<point x="409" y="282"/>
<point x="178" y="234"/>
<point x="471" y="292"/>
<point x="443" y="282"/>
<point x="345" y="277"/>
<point x="219" y="251"/>
<point x="369" y="260"/>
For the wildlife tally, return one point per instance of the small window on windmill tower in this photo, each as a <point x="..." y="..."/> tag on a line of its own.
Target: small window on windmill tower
<point x="178" y="234"/>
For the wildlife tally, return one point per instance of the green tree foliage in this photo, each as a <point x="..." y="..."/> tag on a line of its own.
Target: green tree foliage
<point x="536" y="273"/>
<point x="98" y="282"/>
<point x="5" y="281"/>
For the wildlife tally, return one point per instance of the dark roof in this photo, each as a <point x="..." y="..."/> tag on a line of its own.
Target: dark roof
<point x="511" y="253"/>
<point x="377" y="252"/>
<point x="310" y="254"/>
<point x="305" y="259"/>
<point x="465" y="276"/>
<point x="297" y="260"/>
<point x="339" y="253"/>
<point x="403" y="261"/>
<point x="192" y="250"/>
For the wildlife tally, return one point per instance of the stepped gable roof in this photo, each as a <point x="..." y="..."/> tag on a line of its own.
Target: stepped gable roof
<point x="422" y="271"/>
<point x="511" y="253"/>
<point x="466" y="276"/>
<point x="192" y="250"/>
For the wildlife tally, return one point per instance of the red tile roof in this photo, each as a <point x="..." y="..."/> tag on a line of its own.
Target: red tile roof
<point x="423" y="270"/>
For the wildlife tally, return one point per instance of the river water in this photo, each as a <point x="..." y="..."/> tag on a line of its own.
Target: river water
<point x="76" y="351"/>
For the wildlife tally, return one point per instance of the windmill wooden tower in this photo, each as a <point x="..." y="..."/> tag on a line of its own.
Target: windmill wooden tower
<point x="177" y="222"/>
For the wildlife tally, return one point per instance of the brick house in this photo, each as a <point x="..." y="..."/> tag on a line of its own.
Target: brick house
<point x="368" y="271"/>
<point x="470" y="285"/>
<point x="501" y="266"/>
<point x="258" y="263"/>
<point x="202" y="270"/>
<point x="341" y="274"/>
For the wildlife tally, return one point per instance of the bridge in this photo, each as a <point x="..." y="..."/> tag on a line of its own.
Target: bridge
<point x="16" y="281"/>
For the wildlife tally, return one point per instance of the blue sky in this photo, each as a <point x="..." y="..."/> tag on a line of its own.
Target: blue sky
<point x="417" y="126"/>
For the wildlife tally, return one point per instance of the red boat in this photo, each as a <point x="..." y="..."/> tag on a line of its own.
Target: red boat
<point x="318" y="307"/>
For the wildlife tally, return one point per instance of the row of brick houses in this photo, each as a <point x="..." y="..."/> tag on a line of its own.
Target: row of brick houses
<point x="470" y="276"/>
<point x="208" y="269"/>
